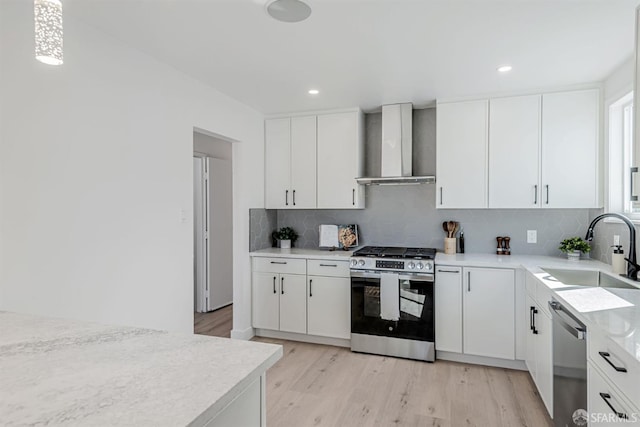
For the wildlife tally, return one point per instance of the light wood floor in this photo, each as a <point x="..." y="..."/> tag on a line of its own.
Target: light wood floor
<point x="215" y="323"/>
<point x="316" y="385"/>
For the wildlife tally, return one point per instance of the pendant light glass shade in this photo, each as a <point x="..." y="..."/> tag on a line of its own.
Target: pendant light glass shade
<point x="48" y="25"/>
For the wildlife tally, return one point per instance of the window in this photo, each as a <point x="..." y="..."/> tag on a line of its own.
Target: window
<point x="623" y="193"/>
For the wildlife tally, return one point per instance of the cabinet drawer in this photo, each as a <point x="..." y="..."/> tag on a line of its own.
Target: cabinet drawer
<point x="608" y="356"/>
<point x="316" y="267"/>
<point x="280" y="265"/>
<point x="605" y="404"/>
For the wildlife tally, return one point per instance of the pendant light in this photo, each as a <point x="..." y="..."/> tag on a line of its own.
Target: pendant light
<point x="288" y="10"/>
<point x="48" y="27"/>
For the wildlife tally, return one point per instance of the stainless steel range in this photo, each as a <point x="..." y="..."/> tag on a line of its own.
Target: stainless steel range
<point x="392" y="302"/>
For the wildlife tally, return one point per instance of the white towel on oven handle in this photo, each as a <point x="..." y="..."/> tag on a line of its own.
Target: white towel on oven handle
<point x="389" y="296"/>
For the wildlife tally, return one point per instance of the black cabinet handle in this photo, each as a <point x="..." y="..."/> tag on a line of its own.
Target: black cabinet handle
<point x="278" y="262"/>
<point x="535" y="194"/>
<point x="531" y="317"/>
<point x="469" y="281"/>
<point x="633" y="198"/>
<point x="535" y="311"/>
<point x="447" y="271"/>
<point x="328" y="265"/>
<point x="274" y="285"/>
<point x="547" y="202"/>
<point x="353" y="196"/>
<point x="286" y="197"/>
<point x="294" y="197"/>
<point x="606" y="357"/>
<point x="282" y="285"/>
<point x="310" y="291"/>
<point x="606" y="397"/>
<point x="440" y="195"/>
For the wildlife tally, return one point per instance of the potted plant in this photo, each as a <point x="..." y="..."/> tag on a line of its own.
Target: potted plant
<point x="573" y="246"/>
<point x="285" y="237"/>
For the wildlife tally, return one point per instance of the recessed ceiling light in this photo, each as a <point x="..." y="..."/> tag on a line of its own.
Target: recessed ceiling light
<point x="313" y="91"/>
<point x="288" y="10"/>
<point x="504" y="68"/>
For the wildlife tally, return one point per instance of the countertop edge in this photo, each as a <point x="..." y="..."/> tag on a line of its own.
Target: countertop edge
<point x="302" y="253"/>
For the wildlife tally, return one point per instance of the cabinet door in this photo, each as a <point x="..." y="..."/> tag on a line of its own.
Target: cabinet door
<point x="448" y="308"/>
<point x="265" y="302"/>
<point x="339" y="162"/>
<point x="514" y="152"/>
<point x="544" y="357"/>
<point x="303" y="162"/>
<point x="603" y="399"/>
<point x="461" y="154"/>
<point x="489" y="312"/>
<point x="570" y="136"/>
<point x="277" y="163"/>
<point x="329" y="305"/>
<point x="293" y="303"/>
<point x="530" y="357"/>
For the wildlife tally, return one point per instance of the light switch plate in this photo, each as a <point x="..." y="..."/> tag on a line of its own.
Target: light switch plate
<point x="532" y="236"/>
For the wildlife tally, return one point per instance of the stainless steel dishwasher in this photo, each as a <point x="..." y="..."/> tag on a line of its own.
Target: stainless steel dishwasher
<point x="569" y="368"/>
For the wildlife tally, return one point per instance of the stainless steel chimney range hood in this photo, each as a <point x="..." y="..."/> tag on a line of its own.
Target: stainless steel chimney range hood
<point x="397" y="147"/>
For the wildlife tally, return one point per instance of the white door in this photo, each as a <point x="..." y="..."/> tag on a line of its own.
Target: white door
<point x="329" y="307"/>
<point x="489" y="312"/>
<point x="514" y="152"/>
<point x="265" y="300"/>
<point x="220" y="232"/>
<point x="461" y="154"/>
<point x="448" y="308"/>
<point x="293" y="303"/>
<point x="200" y="256"/>
<point x="277" y="163"/>
<point x="303" y="162"/>
<point x="544" y="357"/>
<point x="530" y="357"/>
<point x="338" y="161"/>
<point x="570" y="135"/>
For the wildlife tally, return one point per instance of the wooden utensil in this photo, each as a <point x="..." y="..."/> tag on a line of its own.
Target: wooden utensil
<point x="444" y="227"/>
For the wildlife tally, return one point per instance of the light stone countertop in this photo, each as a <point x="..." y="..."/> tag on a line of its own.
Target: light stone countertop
<point x="613" y="312"/>
<point x="71" y="373"/>
<point x="325" y="254"/>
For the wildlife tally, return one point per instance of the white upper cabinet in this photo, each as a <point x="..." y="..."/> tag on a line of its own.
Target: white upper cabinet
<point x="570" y="145"/>
<point x="277" y="162"/>
<point x="340" y="160"/>
<point x="303" y="162"/>
<point x="290" y="163"/>
<point x="514" y="152"/>
<point x="461" y="154"/>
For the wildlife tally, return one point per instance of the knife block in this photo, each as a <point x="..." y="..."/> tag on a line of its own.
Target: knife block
<point x="450" y="245"/>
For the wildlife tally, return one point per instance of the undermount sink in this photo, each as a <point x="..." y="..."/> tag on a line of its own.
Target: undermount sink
<point x="585" y="278"/>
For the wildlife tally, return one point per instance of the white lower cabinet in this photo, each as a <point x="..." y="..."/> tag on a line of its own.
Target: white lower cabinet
<point x="539" y="355"/>
<point x="489" y="312"/>
<point x="606" y="405"/>
<point x="448" y="309"/>
<point x="280" y="302"/>
<point x="329" y="307"/>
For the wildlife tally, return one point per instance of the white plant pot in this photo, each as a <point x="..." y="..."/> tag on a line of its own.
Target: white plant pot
<point x="573" y="256"/>
<point x="284" y="244"/>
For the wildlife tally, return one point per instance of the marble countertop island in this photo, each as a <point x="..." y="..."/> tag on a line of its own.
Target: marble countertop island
<point x="62" y="372"/>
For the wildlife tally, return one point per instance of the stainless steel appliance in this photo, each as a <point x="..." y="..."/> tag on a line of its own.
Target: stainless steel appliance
<point x="569" y="366"/>
<point x="392" y="302"/>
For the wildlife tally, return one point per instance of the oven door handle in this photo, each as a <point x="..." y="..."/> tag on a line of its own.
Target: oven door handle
<point x="416" y="278"/>
<point x="365" y="275"/>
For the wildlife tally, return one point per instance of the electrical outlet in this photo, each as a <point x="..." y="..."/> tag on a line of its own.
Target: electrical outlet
<point x="532" y="236"/>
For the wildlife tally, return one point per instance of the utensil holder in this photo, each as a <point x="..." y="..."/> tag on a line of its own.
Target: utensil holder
<point x="450" y="245"/>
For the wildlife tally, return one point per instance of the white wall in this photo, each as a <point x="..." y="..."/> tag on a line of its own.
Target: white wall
<point x="95" y="166"/>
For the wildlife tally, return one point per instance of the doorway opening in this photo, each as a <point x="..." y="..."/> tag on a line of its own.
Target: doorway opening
<point x="213" y="235"/>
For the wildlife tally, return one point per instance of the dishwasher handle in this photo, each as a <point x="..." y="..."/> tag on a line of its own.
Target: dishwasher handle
<point x="579" y="332"/>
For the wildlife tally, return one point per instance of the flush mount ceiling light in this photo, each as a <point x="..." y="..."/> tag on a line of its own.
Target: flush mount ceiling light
<point x="288" y="10"/>
<point x="313" y="91"/>
<point x="48" y="27"/>
<point x="505" y="68"/>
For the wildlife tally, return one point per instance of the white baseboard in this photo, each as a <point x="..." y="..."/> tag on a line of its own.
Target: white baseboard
<point x="481" y="360"/>
<point x="314" y="339"/>
<point x="242" y="334"/>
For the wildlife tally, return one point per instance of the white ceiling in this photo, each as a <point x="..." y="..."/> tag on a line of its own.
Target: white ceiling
<point x="371" y="52"/>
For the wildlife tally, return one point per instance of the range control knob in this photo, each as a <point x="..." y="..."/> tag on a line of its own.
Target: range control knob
<point x="420" y="266"/>
<point x="428" y="267"/>
<point x="354" y="262"/>
<point x="361" y="263"/>
<point x="411" y="266"/>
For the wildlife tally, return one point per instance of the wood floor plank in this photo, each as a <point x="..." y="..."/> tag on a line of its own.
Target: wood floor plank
<point x="316" y="385"/>
<point x="216" y="323"/>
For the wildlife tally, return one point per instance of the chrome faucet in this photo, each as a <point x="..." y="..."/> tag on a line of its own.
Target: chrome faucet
<point x="632" y="265"/>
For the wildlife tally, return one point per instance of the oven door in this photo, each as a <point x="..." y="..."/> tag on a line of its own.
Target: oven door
<point x="416" y="307"/>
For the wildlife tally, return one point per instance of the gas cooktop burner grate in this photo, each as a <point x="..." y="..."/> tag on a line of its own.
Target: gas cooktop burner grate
<point x="396" y="252"/>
